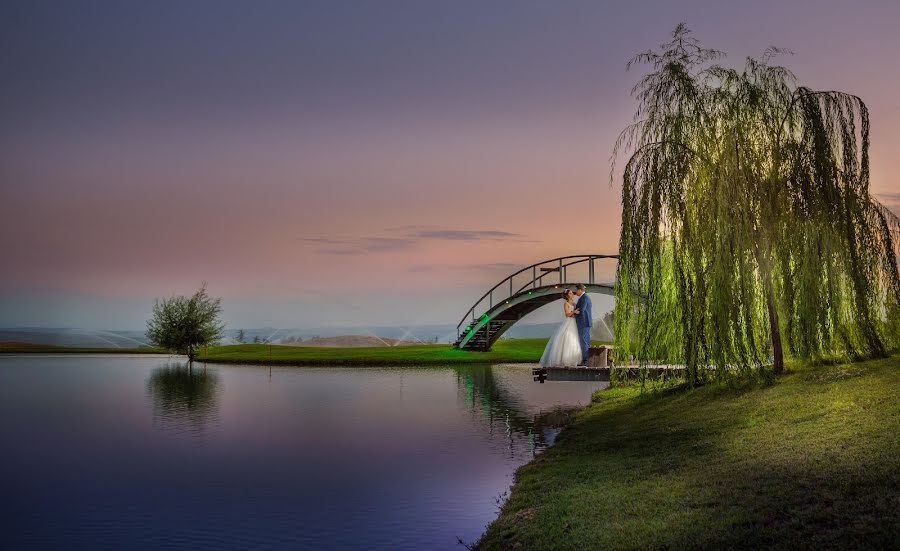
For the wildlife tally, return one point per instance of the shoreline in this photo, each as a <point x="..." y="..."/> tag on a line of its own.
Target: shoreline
<point x="807" y="461"/>
<point x="349" y="362"/>
<point x="28" y="348"/>
<point x="506" y="351"/>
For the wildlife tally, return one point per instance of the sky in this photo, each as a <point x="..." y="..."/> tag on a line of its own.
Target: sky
<point x="349" y="163"/>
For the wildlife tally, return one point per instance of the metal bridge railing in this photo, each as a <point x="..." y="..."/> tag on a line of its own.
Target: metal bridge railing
<point x="553" y="269"/>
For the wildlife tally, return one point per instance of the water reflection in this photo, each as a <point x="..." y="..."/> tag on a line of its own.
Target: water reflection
<point x="165" y="455"/>
<point x="185" y="397"/>
<point x="485" y="393"/>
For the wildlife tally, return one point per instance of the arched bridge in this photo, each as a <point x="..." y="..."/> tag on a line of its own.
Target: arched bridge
<point x="523" y="292"/>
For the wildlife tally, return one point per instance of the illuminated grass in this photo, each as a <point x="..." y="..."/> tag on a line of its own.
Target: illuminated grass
<point x="808" y="462"/>
<point x="29" y="348"/>
<point x="505" y="351"/>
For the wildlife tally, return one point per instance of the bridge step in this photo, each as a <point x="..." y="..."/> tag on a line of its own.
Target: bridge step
<point x="484" y="336"/>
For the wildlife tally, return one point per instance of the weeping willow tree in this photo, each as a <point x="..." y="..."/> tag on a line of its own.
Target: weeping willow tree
<point x="747" y="222"/>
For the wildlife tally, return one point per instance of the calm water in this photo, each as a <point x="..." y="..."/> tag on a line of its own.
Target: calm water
<point x="138" y="452"/>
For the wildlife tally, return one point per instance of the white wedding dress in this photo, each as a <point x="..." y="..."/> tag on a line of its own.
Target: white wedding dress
<point x="564" y="348"/>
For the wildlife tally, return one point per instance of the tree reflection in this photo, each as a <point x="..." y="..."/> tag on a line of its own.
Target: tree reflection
<point x="184" y="396"/>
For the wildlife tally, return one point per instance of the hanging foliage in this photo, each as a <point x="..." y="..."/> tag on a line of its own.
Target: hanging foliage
<point x="747" y="222"/>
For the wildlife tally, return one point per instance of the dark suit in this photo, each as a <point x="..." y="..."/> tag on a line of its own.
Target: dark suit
<point x="584" y="320"/>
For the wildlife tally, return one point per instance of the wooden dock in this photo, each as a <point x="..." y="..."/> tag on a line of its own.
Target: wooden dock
<point x="542" y="374"/>
<point x="601" y="363"/>
<point x="601" y="374"/>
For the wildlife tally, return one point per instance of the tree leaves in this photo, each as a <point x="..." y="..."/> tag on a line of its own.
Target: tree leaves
<point x="183" y="325"/>
<point x="746" y="214"/>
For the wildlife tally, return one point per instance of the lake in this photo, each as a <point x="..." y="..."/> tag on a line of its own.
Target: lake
<point x="140" y="452"/>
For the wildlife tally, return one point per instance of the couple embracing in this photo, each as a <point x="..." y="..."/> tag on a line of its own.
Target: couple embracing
<point x="571" y="341"/>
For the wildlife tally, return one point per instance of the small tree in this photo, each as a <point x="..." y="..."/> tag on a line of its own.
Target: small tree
<point x="241" y="338"/>
<point x="183" y="325"/>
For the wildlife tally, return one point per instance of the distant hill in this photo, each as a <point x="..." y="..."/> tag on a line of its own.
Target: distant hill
<point x="23" y="346"/>
<point x="544" y="330"/>
<point x="62" y="336"/>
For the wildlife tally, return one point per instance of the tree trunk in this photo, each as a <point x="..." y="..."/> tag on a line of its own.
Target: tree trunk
<point x="774" y="328"/>
<point x="777" y="353"/>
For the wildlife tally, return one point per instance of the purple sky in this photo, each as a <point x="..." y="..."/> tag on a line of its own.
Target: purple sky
<point x="348" y="163"/>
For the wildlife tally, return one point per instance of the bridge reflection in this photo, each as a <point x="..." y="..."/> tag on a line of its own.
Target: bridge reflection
<point x="488" y="395"/>
<point x="502" y="399"/>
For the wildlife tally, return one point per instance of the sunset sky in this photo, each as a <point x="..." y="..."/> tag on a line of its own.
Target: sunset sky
<point x="348" y="163"/>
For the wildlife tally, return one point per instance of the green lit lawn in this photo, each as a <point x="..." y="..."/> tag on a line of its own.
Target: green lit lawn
<point x="29" y="348"/>
<point x="505" y="351"/>
<point x="812" y="461"/>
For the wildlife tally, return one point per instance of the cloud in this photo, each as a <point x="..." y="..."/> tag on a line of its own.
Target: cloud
<point x="492" y="267"/>
<point x="457" y="234"/>
<point x="361" y="245"/>
<point x="341" y="252"/>
<point x="891" y="200"/>
<point x="325" y="240"/>
<point x="496" y="266"/>
<point x="467" y="235"/>
<point x="890" y="197"/>
<point x="383" y="244"/>
<point x="407" y="237"/>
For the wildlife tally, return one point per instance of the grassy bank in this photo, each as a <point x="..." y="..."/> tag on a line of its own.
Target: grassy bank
<point x="30" y="348"/>
<point x="812" y="461"/>
<point x="505" y="351"/>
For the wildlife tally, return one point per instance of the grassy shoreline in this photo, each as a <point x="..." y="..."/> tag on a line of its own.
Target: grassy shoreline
<point x="811" y="461"/>
<point x="505" y="351"/>
<point x="30" y="348"/>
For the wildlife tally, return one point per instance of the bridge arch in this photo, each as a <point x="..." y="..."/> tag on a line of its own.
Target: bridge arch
<point x="509" y="301"/>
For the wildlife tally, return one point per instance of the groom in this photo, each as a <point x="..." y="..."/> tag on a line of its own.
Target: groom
<point x="583" y="320"/>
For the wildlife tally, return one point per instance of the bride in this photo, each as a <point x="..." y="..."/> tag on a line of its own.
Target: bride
<point x="564" y="348"/>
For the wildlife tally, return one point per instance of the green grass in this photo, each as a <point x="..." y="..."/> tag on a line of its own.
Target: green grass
<point x="29" y="348"/>
<point x="505" y="351"/>
<point x="810" y="461"/>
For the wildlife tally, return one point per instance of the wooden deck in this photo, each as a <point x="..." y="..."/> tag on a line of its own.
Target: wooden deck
<point x="542" y="374"/>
